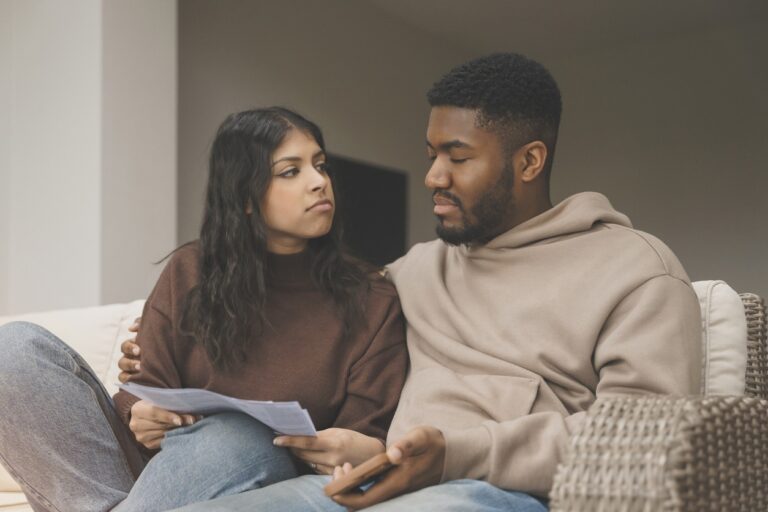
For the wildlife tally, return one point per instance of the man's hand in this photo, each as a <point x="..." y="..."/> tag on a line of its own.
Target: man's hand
<point x="129" y="364"/>
<point x="332" y="447"/>
<point x="418" y="458"/>
<point x="149" y="423"/>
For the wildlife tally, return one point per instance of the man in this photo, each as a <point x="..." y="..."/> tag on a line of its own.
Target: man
<point x="519" y="317"/>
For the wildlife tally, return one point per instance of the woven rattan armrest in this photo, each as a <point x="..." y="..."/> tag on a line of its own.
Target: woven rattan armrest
<point x="667" y="454"/>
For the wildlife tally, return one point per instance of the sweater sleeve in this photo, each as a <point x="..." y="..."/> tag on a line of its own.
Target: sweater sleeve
<point x="158" y="340"/>
<point x="650" y="343"/>
<point x="376" y="379"/>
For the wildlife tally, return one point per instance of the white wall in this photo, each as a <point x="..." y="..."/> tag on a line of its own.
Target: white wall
<point x="53" y="232"/>
<point x="357" y="72"/>
<point x="89" y="183"/>
<point x="674" y="132"/>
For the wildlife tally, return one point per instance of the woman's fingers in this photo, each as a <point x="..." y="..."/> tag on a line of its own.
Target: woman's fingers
<point x="152" y="440"/>
<point x="301" y="442"/>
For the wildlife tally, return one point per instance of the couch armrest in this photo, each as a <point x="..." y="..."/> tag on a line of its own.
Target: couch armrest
<point x="667" y="454"/>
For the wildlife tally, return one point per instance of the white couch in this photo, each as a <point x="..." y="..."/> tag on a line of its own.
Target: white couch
<point x="96" y="333"/>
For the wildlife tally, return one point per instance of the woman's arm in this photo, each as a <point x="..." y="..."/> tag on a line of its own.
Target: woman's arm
<point x="373" y="390"/>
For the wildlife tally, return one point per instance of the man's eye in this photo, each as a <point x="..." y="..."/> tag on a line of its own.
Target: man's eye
<point x="431" y="158"/>
<point x="289" y="173"/>
<point x="459" y="160"/>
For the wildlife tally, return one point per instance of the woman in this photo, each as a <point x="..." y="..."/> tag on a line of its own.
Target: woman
<point x="264" y="306"/>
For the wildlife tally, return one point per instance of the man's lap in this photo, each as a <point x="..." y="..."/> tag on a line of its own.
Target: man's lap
<point x="306" y="494"/>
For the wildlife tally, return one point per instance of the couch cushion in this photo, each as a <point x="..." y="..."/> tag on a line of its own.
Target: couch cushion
<point x="724" y="338"/>
<point x="95" y="333"/>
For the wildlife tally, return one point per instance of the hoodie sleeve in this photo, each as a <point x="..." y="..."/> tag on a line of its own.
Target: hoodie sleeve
<point x="650" y="343"/>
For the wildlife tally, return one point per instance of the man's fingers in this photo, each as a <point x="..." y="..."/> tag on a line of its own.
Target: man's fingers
<point x="388" y="487"/>
<point x="412" y="443"/>
<point x="128" y="365"/>
<point x="130" y="349"/>
<point x="134" y="327"/>
<point x="123" y="377"/>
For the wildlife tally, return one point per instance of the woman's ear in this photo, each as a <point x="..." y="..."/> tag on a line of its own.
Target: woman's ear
<point x="248" y="207"/>
<point x="531" y="159"/>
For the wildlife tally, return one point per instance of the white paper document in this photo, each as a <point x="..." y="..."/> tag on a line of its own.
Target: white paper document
<point x="282" y="417"/>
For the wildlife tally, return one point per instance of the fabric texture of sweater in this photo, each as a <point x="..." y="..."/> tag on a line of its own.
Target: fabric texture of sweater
<point x="349" y="383"/>
<point x="511" y="341"/>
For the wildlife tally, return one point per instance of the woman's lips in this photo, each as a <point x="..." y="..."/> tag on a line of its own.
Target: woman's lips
<point x="321" y="206"/>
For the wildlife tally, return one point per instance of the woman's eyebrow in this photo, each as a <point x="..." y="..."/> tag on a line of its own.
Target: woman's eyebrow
<point x="297" y="158"/>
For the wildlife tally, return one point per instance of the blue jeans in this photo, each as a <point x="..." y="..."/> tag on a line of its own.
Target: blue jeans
<point x="62" y="440"/>
<point x="306" y="494"/>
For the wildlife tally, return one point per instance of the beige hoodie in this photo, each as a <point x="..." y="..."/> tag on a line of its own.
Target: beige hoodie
<point x="511" y="341"/>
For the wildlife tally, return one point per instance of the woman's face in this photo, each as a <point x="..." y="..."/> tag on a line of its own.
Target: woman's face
<point x="299" y="203"/>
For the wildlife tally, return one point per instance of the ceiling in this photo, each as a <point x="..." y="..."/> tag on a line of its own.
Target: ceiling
<point x="558" y="28"/>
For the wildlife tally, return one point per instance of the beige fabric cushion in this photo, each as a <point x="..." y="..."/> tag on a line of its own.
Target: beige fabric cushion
<point x="724" y="338"/>
<point x="95" y="333"/>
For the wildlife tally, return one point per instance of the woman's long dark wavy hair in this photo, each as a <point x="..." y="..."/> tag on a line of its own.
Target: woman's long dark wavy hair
<point x="227" y="308"/>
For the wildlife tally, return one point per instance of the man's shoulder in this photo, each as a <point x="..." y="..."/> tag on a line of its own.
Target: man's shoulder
<point x="637" y="247"/>
<point x="420" y="253"/>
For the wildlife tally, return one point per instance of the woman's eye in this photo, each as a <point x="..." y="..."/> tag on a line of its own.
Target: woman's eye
<point x="322" y="167"/>
<point x="289" y="173"/>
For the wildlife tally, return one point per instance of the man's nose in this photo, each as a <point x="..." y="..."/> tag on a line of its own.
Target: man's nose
<point x="437" y="176"/>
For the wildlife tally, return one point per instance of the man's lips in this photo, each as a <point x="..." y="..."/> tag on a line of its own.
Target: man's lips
<point x="323" y="205"/>
<point x="443" y="205"/>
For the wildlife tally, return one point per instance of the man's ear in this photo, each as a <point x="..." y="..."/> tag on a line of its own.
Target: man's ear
<point x="531" y="159"/>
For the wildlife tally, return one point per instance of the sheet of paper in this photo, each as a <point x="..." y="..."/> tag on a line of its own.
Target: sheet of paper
<point x="282" y="417"/>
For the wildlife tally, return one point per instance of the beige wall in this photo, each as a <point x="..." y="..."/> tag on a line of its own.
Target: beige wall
<point x="89" y="173"/>
<point x="138" y="189"/>
<point x="355" y="71"/>
<point x="6" y="104"/>
<point x="674" y="132"/>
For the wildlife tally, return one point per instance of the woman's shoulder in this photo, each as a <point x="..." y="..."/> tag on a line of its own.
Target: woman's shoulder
<point x="182" y="271"/>
<point x="380" y="285"/>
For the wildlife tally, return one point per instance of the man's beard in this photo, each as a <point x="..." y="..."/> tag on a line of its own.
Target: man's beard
<point x="491" y="213"/>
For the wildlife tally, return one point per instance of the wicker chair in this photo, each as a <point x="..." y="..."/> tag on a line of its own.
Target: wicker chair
<point x="703" y="453"/>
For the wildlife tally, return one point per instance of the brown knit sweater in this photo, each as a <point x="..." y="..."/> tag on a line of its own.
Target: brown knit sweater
<point x="353" y="383"/>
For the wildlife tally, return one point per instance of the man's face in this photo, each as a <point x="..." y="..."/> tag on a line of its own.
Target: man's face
<point x="470" y="177"/>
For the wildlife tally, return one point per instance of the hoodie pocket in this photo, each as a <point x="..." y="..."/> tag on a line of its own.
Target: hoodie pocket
<point x="439" y="397"/>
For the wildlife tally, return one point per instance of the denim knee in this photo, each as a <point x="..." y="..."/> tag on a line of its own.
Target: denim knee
<point x="25" y="348"/>
<point x="232" y="432"/>
<point x="18" y="340"/>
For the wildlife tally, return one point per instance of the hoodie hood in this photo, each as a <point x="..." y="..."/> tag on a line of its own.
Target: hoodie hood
<point x="576" y="214"/>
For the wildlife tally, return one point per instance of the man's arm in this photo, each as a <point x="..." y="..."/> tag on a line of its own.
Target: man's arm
<point x="129" y="363"/>
<point x="651" y="343"/>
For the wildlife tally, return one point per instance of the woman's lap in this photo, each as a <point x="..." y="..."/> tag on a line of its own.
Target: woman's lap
<point x="223" y="454"/>
<point x="62" y="439"/>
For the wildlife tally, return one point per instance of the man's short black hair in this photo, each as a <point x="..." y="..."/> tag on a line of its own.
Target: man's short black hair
<point x="516" y="97"/>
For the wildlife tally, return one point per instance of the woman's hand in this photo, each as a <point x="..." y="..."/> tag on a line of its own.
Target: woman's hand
<point x="149" y="423"/>
<point x="332" y="447"/>
<point x="129" y="364"/>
